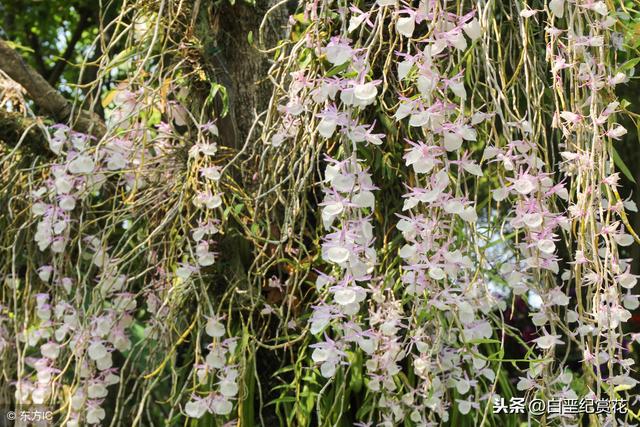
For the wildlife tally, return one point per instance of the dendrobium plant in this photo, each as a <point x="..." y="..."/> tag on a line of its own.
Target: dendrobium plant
<point x="426" y="220"/>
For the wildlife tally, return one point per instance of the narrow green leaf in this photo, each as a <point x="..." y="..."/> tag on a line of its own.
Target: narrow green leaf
<point x="620" y="165"/>
<point x="630" y="64"/>
<point x="337" y="69"/>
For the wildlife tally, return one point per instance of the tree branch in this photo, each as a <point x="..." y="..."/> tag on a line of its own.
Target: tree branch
<point x="13" y="126"/>
<point x="34" y="41"/>
<point x="61" y="63"/>
<point x="45" y="96"/>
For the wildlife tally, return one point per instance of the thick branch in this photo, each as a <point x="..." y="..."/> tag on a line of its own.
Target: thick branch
<point x="44" y="95"/>
<point x="13" y="127"/>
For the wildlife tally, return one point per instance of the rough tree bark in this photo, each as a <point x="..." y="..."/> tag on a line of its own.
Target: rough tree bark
<point x="238" y="64"/>
<point x="231" y="60"/>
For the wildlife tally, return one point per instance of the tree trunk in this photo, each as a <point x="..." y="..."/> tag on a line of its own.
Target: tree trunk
<point x="237" y="62"/>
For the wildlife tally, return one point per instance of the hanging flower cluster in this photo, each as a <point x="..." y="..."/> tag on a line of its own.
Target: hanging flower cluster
<point x="122" y="243"/>
<point x="208" y="199"/>
<point x="348" y="202"/>
<point x="85" y="171"/>
<point x="581" y="38"/>
<point x="532" y="193"/>
<point x="439" y="274"/>
<point x="62" y="322"/>
<point x="451" y="304"/>
<point x="349" y="248"/>
<point x="217" y="363"/>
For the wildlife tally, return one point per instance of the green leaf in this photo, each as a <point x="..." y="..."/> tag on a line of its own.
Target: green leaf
<point x="122" y="57"/>
<point x="255" y="229"/>
<point x="624" y="104"/>
<point x="283" y="399"/>
<point x="155" y="117"/>
<point x="249" y="380"/>
<point x="630" y="64"/>
<point x="224" y="95"/>
<point x="620" y="165"/>
<point x="337" y="69"/>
